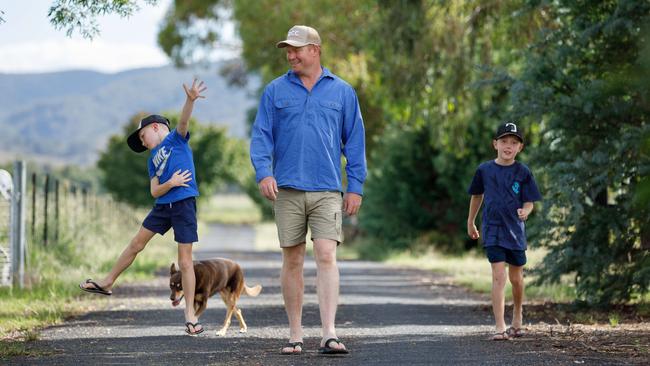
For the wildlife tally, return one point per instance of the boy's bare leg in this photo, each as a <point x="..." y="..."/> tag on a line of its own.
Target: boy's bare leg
<point x="327" y="284"/>
<point x="125" y="259"/>
<point x="189" y="281"/>
<point x="516" y="275"/>
<point x="498" y="294"/>
<point x="293" y="259"/>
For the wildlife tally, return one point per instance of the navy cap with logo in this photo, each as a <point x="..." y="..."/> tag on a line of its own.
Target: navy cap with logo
<point x="509" y="128"/>
<point x="134" y="138"/>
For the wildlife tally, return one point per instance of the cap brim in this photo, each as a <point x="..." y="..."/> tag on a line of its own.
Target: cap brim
<point x="134" y="142"/>
<point x="511" y="134"/>
<point x="288" y="42"/>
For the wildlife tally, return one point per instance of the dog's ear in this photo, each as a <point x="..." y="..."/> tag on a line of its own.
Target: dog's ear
<point x="173" y="269"/>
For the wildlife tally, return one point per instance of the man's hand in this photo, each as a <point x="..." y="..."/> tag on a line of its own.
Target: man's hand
<point x="269" y="188"/>
<point x="179" y="179"/>
<point x="351" y="203"/>
<point x="194" y="92"/>
<point x="472" y="231"/>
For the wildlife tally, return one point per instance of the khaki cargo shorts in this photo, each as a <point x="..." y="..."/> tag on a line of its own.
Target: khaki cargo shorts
<point x="296" y="210"/>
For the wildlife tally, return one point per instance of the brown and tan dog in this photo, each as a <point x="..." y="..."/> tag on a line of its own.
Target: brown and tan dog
<point x="212" y="276"/>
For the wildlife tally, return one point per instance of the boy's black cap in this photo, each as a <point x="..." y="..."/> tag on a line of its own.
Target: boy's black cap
<point x="508" y="128"/>
<point x="134" y="139"/>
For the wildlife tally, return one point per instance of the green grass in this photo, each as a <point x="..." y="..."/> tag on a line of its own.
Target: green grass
<point x="471" y="270"/>
<point x="53" y="273"/>
<point x="229" y="209"/>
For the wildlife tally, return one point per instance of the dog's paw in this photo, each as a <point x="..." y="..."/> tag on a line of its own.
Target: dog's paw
<point x="243" y="330"/>
<point x="221" y="332"/>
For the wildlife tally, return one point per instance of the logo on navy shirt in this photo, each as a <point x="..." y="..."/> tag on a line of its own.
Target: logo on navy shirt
<point x="515" y="187"/>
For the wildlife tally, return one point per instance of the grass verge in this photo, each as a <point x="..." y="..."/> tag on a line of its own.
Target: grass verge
<point x="51" y="292"/>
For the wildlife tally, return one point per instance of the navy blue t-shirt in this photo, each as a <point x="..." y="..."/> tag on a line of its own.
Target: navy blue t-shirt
<point x="172" y="154"/>
<point x="505" y="188"/>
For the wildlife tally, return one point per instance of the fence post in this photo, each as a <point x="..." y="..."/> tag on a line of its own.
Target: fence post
<point x="33" y="207"/>
<point x="56" y="211"/>
<point x="46" y="189"/>
<point x="18" y="224"/>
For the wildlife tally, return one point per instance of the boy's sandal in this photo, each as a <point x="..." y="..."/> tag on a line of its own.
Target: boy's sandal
<point x="96" y="289"/>
<point x="515" y="332"/>
<point x="501" y="336"/>
<point x="294" y="350"/>
<point x="327" y="350"/>
<point x="195" y="331"/>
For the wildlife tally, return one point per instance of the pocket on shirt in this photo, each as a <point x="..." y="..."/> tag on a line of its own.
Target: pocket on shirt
<point x="287" y="111"/>
<point x="330" y="118"/>
<point x="331" y="110"/>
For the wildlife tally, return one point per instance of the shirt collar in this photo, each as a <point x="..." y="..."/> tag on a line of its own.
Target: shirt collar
<point x="325" y="74"/>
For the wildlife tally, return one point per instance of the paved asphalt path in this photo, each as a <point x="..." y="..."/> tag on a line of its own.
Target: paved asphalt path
<point x="387" y="316"/>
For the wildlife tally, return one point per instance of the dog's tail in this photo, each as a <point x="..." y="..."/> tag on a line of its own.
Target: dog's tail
<point x="253" y="291"/>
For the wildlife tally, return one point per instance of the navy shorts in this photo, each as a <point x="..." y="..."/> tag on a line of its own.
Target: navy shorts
<point x="180" y="215"/>
<point x="498" y="254"/>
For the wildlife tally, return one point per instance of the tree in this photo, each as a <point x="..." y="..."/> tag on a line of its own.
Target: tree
<point x="80" y="15"/>
<point x="430" y="68"/>
<point x="582" y="82"/>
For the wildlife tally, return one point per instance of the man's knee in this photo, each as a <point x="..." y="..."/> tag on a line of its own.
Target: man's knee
<point x="293" y="257"/>
<point x="325" y="254"/>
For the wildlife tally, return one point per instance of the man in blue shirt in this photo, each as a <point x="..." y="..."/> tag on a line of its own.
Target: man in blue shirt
<point x="509" y="190"/>
<point x="306" y="119"/>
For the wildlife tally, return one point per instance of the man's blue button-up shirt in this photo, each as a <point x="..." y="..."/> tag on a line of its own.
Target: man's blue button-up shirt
<point x="298" y="135"/>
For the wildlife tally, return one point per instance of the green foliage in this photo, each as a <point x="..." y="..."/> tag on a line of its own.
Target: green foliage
<point x="404" y="195"/>
<point x="124" y="173"/>
<point x="581" y="81"/>
<point x="80" y="15"/>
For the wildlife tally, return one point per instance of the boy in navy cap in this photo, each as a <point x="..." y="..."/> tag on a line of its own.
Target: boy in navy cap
<point x="171" y="168"/>
<point x="509" y="190"/>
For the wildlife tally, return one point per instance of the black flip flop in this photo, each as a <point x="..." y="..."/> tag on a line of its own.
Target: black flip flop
<point x="327" y="350"/>
<point x="97" y="289"/>
<point x="194" y="325"/>
<point x="292" y="345"/>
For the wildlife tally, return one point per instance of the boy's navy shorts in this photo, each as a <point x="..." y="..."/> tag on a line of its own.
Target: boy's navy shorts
<point x="498" y="254"/>
<point x="180" y="215"/>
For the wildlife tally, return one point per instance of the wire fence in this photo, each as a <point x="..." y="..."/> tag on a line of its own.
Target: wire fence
<point x="63" y="210"/>
<point x="57" y="213"/>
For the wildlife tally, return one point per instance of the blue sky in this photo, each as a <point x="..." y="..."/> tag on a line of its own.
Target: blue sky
<point x="30" y="44"/>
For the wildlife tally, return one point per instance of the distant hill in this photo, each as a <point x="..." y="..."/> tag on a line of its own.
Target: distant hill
<point x="68" y="116"/>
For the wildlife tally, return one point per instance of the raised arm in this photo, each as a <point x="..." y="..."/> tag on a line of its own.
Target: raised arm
<point x="193" y="93"/>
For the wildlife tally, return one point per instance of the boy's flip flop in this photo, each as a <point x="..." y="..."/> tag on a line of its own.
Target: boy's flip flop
<point x="294" y="350"/>
<point x="327" y="350"/>
<point x="96" y="289"/>
<point x="194" y="326"/>
<point x="501" y="336"/>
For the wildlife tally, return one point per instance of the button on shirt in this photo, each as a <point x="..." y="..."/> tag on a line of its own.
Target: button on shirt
<point x="504" y="189"/>
<point x="299" y="135"/>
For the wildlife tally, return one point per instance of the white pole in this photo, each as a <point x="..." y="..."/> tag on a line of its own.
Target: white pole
<point x="18" y="251"/>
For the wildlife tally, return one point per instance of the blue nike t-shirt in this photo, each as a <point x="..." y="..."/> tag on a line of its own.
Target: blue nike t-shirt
<point x="505" y="188"/>
<point x="171" y="155"/>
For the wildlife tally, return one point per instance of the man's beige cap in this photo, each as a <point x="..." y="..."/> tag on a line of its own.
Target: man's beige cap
<point x="300" y="35"/>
